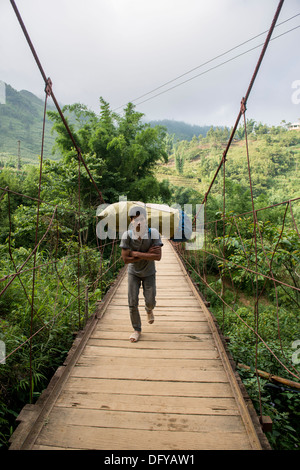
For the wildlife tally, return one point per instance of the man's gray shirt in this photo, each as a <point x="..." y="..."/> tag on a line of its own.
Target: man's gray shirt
<point x="142" y="268"/>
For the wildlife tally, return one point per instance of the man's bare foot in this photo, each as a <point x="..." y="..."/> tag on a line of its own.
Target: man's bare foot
<point x="150" y="317"/>
<point x="135" y="336"/>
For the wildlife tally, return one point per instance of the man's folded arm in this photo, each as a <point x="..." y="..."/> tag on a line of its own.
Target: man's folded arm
<point x="127" y="256"/>
<point x="154" y="253"/>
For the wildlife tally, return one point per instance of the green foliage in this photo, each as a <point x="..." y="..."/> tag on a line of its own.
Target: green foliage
<point x="56" y="315"/>
<point x="280" y="403"/>
<point x="276" y="319"/>
<point x="277" y="254"/>
<point x="274" y="163"/>
<point x="119" y="151"/>
<point x="179" y="162"/>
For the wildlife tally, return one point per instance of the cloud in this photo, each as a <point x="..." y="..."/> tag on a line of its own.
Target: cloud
<point x="122" y="49"/>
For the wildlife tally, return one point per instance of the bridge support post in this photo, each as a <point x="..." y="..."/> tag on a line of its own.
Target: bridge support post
<point x="266" y="423"/>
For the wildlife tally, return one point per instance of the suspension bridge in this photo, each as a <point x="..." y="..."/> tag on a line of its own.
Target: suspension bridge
<point x="177" y="388"/>
<point x="174" y="389"/>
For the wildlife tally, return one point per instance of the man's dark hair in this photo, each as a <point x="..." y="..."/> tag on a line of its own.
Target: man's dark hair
<point x="136" y="211"/>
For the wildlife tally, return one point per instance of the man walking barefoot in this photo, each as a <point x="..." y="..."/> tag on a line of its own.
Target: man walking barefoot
<point x="141" y="247"/>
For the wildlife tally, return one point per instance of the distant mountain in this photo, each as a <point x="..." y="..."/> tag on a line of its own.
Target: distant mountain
<point x="21" y="119"/>
<point x="182" y="130"/>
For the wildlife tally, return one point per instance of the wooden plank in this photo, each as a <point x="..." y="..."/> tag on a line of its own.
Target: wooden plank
<point x="142" y="403"/>
<point x="160" y="322"/>
<point x="161" y="294"/>
<point x="164" y="283"/>
<point x="103" y="351"/>
<point x="152" y="336"/>
<point x="174" y="313"/>
<point x="172" y="318"/>
<point x="85" y="385"/>
<point x="91" y="437"/>
<point x="157" y="329"/>
<point x="144" y="421"/>
<point x="49" y="447"/>
<point x="185" y="312"/>
<point x="160" y="288"/>
<point x="175" y="374"/>
<point x="151" y="345"/>
<point x="160" y="302"/>
<point x="197" y="364"/>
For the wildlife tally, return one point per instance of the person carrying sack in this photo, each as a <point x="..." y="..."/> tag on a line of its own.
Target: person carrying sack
<point x="141" y="247"/>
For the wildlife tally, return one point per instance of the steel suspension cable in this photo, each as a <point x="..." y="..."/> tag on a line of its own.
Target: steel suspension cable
<point x="206" y="63"/>
<point x="245" y="98"/>
<point x="48" y="84"/>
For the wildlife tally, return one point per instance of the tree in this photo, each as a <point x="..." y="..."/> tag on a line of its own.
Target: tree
<point x="121" y="151"/>
<point x="179" y="161"/>
<point x="261" y="129"/>
<point x="169" y="143"/>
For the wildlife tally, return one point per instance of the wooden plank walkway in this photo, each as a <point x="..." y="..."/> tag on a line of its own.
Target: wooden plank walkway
<point x="174" y="389"/>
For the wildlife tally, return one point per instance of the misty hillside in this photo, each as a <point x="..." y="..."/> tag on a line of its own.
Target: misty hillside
<point x="21" y="119"/>
<point x="182" y="130"/>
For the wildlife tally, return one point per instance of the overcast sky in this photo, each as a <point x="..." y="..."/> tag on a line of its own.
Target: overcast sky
<point x="123" y="49"/>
